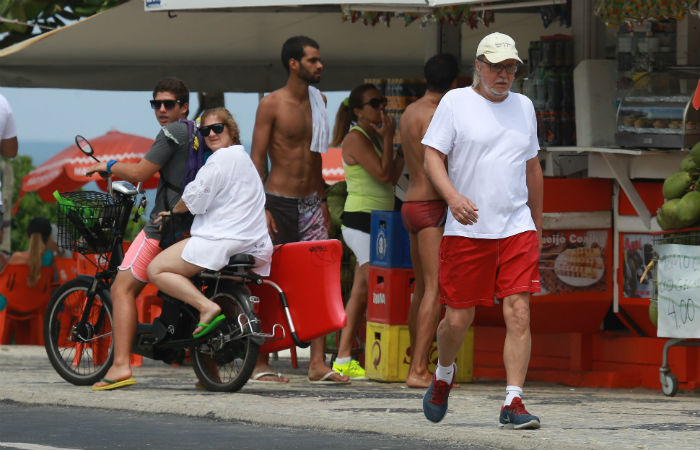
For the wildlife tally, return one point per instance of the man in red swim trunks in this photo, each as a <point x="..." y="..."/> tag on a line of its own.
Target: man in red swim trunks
<point x="424" y="213"/>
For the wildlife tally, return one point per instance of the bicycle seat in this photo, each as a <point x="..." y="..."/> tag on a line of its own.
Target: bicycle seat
<point x="241" y="259"/>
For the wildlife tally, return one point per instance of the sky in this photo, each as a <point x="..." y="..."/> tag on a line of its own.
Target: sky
<point x="48" y="119"/>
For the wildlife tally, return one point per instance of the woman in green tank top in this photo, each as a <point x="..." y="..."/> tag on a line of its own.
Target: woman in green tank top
<point x="365" y="131"/>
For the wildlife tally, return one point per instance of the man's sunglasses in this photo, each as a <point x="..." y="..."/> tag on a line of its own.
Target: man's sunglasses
<point x="376" y="102"/>
<point x="497" y="68"/>
<point x="169" y="104"/>
<point x="217" y="128"/>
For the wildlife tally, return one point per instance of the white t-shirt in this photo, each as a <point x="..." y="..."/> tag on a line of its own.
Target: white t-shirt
<point x="487" y="146"/>
<point x="227" y="198"/>
<point x="8" y="127"/>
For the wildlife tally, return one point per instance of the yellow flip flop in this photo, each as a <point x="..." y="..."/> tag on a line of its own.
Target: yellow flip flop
<point x="114" y="384"/>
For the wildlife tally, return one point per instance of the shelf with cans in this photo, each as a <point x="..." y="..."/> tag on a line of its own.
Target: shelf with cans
<point x="549" y="84"/>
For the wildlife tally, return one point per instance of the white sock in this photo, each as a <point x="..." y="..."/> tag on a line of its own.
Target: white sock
<point x="511" y="393"/>
<point x="342" y="361"/>
<point x="444" y="373"/>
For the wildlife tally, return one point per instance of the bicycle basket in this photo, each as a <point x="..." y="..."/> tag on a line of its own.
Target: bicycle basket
<point x="88" y="221"/>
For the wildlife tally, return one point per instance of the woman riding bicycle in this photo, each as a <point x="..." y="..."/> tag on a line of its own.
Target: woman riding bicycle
<point x="228" y="202"/>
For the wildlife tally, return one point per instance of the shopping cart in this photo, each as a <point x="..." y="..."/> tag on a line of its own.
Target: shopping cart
<point x="683" y="312"/>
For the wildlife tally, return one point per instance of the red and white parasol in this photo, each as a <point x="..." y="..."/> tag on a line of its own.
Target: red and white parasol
<point x="333" y="165"/>
<point x="66" y="170"/>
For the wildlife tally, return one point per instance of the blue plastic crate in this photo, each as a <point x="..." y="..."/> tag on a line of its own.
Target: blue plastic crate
<point x="390" y="246"/>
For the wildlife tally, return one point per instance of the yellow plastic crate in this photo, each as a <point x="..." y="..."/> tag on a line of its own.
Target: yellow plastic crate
<point x="388" y="353"/>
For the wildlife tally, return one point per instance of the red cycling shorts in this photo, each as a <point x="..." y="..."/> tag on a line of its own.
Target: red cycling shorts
<point x="472" y="270"/>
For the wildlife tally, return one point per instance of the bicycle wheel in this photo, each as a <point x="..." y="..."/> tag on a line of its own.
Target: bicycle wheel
<point x="80" y="350"/>
<point x="226" y="360"/>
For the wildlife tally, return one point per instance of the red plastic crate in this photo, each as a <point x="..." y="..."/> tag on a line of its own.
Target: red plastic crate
<point x="389" y="295"/>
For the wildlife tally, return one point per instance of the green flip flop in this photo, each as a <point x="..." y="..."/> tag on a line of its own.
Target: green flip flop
<point x="209" y="327"/>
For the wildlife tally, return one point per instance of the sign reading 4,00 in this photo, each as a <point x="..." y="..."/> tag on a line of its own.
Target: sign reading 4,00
<point x="678" y="290"/>
<point x="683" y="313"/>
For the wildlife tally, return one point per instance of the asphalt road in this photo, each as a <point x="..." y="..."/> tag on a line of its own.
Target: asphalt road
<point x="364" y="414"/>
<point x="52" y="428"/>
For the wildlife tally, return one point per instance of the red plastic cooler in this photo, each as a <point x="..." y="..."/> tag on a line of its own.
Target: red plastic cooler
<point x="309" y="274"/>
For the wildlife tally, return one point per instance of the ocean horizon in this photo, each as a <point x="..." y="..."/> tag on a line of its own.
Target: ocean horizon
<point x="41" y="151"/>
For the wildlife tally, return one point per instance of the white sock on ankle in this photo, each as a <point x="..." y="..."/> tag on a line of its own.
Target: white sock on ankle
<point x="342" y="361"/>
<point x="511" y="393"/>
<point x="444" y="373"/>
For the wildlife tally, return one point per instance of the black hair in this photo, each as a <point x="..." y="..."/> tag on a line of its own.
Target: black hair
<point x="41" y="226"/>
<point x="293" y="48"/>
<point x="440" y="71"/>
<point x="175" y="86"/>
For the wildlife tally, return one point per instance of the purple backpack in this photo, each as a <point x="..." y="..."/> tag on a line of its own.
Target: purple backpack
<point x="197" y="150"/>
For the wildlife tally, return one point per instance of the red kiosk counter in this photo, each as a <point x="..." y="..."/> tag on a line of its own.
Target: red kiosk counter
<point x="573" y="341"/>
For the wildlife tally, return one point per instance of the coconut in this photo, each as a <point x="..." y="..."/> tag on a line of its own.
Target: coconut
<point x="688" y="164"/>
<point x="676" y="185"/>
<point x="695" y="153"/>
<point x="669" y="213"/>
<point x="689" y="209"/>
<point x="661" y="220"/>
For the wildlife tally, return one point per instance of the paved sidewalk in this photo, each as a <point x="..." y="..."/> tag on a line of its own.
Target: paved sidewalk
<point x="581" y="418"/>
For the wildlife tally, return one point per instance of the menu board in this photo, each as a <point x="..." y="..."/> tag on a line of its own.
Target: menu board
<point x="574" y="261"/>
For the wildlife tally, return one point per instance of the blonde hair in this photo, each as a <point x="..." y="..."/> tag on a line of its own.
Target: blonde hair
<point x="227" y="120"/>
<point x="36" y="251"/>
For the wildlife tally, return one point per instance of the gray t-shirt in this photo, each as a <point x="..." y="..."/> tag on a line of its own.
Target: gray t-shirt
<point x="172" y="157"/>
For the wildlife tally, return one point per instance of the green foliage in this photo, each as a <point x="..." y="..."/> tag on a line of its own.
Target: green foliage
<point x="133" y="228"/>
<point x="44" y="14"/>
<point x="30" y="207"/>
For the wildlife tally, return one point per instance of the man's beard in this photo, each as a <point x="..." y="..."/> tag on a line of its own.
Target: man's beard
<point x="308" y="77"/>
<point x="491" y="90"/>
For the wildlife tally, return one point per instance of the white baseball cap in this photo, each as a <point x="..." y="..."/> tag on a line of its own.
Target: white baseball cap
<point x="497" y="47"/>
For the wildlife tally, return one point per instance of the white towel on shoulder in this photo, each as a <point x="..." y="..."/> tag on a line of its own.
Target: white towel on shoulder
<point x="321" y="126"/>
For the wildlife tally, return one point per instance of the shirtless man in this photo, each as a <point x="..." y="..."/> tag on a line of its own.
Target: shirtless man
<point x="424" y="213"/>
<point x="296" y="206"/>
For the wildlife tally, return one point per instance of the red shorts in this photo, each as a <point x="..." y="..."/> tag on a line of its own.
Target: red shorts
<point x="417" y="215"/>
<point x="473" y="270"/>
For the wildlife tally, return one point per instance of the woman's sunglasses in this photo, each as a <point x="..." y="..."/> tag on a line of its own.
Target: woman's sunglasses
<point x="217" y="128"/>
<point x="169" y="104"/>
<point x="376" y="102"/>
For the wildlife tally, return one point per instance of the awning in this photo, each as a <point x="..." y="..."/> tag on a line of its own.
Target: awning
<point x="126" y="48"/>
<point x="382" y="5"/>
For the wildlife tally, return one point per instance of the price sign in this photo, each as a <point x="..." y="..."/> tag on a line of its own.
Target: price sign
<point x="678" y="290"/>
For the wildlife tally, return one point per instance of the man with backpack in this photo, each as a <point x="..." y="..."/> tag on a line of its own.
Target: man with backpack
<point x="168" y="155"/>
